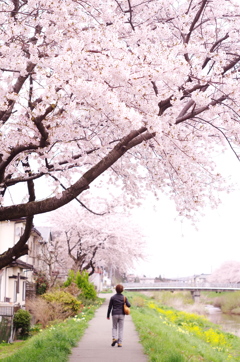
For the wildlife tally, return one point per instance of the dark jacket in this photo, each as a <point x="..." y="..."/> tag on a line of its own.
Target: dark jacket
<point x="116" y="304"/>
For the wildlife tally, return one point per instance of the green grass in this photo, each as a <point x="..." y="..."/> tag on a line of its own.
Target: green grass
<point x="168" y="335"/>
<point x="54" y="344"/>
<point x="7" y="349"/>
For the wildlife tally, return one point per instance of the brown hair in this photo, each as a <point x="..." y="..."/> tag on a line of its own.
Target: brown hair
<point x="119" y="288"/>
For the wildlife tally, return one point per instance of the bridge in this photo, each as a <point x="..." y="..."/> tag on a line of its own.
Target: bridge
<point x="194" y="288"/>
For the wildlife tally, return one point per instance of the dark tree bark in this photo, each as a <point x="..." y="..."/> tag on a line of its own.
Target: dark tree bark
<point x="38" y="207"/>
<point x="20" y="248"/>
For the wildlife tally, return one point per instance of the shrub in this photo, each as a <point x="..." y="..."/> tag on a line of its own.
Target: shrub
<point x="42" y="283"/>
<point x="42" y="312"/>
<point x="228" y="302"/>
<point x="70" y="304"/>
<point x="73" y="289"/>
<point x="82" y="281"/>
<point x="53" y="306"/>
<point x="22" y="321"/>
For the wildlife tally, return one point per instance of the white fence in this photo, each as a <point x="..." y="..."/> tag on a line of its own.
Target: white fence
<point x="182" y="286"/>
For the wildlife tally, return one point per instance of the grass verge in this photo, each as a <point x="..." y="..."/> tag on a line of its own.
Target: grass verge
<point x="7" y="349"/>
<point x="55" y="343"/>
<point x="168" y="335"/>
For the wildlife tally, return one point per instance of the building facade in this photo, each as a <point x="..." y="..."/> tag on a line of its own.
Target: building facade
<point x="14" y="277"/>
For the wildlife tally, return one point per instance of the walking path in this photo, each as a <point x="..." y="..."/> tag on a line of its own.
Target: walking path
<point x="95" y="345"/>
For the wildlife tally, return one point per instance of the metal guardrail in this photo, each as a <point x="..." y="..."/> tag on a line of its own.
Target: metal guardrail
<point x="182" y="286"/>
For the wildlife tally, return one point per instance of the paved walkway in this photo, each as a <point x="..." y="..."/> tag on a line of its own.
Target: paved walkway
<point x="95" y="345"/>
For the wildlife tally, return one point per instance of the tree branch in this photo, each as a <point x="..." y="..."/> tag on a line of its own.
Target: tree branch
<point x="231" y="64"/>
<point x="213" y="48"/>
<point x="37" y="207"/>
<point x="20" y="248"/>
<point x="195" y="20"/>
<point x="4" y="115"/>
<point x="197" y="111"/>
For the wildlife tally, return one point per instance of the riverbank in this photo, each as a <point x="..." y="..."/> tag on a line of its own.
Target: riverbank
<point x="219" y="308"/>
<point x="227" y="302"/>
<point x="170" y="335"/>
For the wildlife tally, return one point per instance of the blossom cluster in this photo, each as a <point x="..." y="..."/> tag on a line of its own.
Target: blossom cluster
<point x="76" y="78"/>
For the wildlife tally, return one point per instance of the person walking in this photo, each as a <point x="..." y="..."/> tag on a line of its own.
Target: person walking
<point x="116" y="306"/>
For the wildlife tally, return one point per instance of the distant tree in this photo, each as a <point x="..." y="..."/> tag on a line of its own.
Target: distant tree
<point x="53" y="256"/>
<point x="228" y="272"/>
<point x="98" y="241"/>
<point x="142" y="92"/>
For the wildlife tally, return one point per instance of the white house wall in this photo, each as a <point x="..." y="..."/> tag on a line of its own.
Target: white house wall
<point x="10" y="232"/>
<point x="6" y="235"/>
<point x="8" y="286"/>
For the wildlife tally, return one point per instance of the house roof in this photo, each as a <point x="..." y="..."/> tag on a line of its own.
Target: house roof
<point x="21" y="264"/>
<point x="45" y="231"/>
<point x="202" y="275"/>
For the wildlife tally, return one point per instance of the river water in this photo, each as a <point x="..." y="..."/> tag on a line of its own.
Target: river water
<point x="229" y="322"/>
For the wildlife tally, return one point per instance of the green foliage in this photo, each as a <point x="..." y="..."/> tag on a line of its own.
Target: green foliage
<point x="42" y="283"/>
<point x="82" y="281"/>
<point x="22" y="320"/>
<point x="70" y="304"/>
<point x="169" y="335"/>
<point x="55" y="343"/>
<point x="7" y="349"/>
<point x="71" y="278"/>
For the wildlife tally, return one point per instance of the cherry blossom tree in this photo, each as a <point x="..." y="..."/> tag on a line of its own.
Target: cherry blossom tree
<point x="228" y="272"/>
<point x="53" y="259"/>
<point x="100" y="241"/>
<point x="142" y="92"/>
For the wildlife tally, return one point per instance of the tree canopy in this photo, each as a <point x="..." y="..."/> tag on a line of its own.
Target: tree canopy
<point x="141" y="91"/>
<point x="88" y="241"/>
<point x="228" y="272"/>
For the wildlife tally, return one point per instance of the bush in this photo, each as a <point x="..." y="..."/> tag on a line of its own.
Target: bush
<point x="22" y="320"/>
<point x="82" y="281"/>
<point x="54" y="306"/>
<point x="228" y="302"/>
<point x="42" y="283"/>
<point x="42" y="312"/>
<point x="70" y="304"/>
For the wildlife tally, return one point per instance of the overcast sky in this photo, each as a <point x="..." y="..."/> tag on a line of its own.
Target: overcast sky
<point x="178" y="249"/>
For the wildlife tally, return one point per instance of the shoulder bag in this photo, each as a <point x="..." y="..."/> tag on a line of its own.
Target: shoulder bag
<point x="126" y="309"/>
